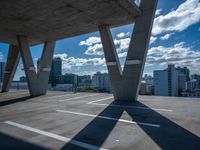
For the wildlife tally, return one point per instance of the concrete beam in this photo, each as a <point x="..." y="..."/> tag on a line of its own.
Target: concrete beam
<point x="37" y="82"/>
<point x="11" y="66"/>
<point x="126" y="84"/>
<point x="49" y="20"/>
<point x="112" y="60"/>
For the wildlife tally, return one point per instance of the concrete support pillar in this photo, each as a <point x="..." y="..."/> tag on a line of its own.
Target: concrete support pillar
<point x="11" y="66"/>
<point x="125" y="84"/>
<point x="37" y="82"/>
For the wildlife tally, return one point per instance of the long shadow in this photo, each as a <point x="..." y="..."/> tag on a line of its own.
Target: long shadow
<point x="8" y="142"/>
<point x="168" y="136"/>
<point x="97" y="131"/>
<point x="15" y="100"/>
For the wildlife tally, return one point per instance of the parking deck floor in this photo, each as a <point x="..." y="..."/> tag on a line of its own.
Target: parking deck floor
<point x="69" y="121"/>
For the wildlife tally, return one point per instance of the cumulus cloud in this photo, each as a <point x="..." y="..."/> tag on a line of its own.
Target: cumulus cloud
<point x="177" y="54"/>
<point x="153" y="39"/>
<point x="187" y="14"/>
<point x="158" y="11"/>
<point x="121" y="45"/>
<point x="68" y="62"/>
<point x="122" y="34"/>
<point x="97" y="48"/>
<point x="122" y="55"/>
<point x="166" y="36"/>
<point x="90" y="41"/>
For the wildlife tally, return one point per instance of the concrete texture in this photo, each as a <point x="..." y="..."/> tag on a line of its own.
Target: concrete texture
<point x="49" y="20"/>
<point x="86" y="120"/>
<point x="37" y="81"/>
<point x="11" y="66"/>
<point x="125" y="85"/>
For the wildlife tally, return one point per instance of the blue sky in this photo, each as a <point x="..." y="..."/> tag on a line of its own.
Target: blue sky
<point x="175" y="39"/>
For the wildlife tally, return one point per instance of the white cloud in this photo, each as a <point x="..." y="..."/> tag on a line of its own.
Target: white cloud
<point x="68" y="62"/>
<point x="121" y="45"/>
<point x="122" y="55"/>
<point x="187" y="14"/>
<point x="97" y="49"/>
<point x="81" y="73"/>
<point x="166" y="36"/>
<point x="153" y="39"/>
<point x="158" y="11"/>
<point x="178" y="54"/>
<point x="90" y="41"/>
<point x="122" y="34"/>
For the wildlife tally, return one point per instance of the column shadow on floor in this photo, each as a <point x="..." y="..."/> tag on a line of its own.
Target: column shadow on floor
<point x="15" y="100"/>
<point x="8" y="142"/>
<point x="168" y="136"/>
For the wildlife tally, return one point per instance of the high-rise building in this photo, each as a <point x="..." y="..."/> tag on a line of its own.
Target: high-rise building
<point x="181" y="83"/>
<point x="101" y="81"/>
<point x="166" y="81"/>
<point x="145" y="89"/>
<point x="160" y="82"/>
<point x="193" y="86"/>
<point x="148" y="79"/>
<point x="56" y="70"/>
<point x="2" y="69"/>
<point x="195" y="81"/>
<point x="184" y="71"/>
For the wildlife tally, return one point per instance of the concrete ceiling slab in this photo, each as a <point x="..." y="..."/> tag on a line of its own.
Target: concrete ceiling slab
<point x="46" y="20"/>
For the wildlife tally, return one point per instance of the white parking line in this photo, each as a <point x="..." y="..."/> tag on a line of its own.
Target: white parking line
<point x="68" y="94"/>
<point x="137" y="107"/>
<point x="103" y="99"/>
<point x="55" y="136"/>
<point x="109" y="118"/>
<point x="72" y="98"/>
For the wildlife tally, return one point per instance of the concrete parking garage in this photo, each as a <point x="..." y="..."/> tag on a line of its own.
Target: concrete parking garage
<point x="62" y="120"/>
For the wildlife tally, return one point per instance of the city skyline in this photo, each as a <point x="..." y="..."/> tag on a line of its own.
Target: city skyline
<point x="83" y="54"/>
<point x="171" y="81"/>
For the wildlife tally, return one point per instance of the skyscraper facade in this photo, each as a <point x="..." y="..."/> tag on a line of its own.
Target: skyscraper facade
<point x="166" y="81"/>
<point x="101" y="81"/>
<point x="195" y="81"/>
<point x="184" y="71"/>
<point x="56" y="70"/>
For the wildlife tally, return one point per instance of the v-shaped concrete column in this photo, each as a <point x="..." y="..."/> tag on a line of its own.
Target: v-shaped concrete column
<point x="37" y="82"/>
<point x="11" y="66"/>
<point x="125" y="85"/>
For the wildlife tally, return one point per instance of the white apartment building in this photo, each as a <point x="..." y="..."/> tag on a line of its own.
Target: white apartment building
<point x="101" y="81"/>
<point x="166" y="81"/>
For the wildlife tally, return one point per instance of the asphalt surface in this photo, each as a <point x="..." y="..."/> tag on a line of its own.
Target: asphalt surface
<point x="68" y="121"/>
